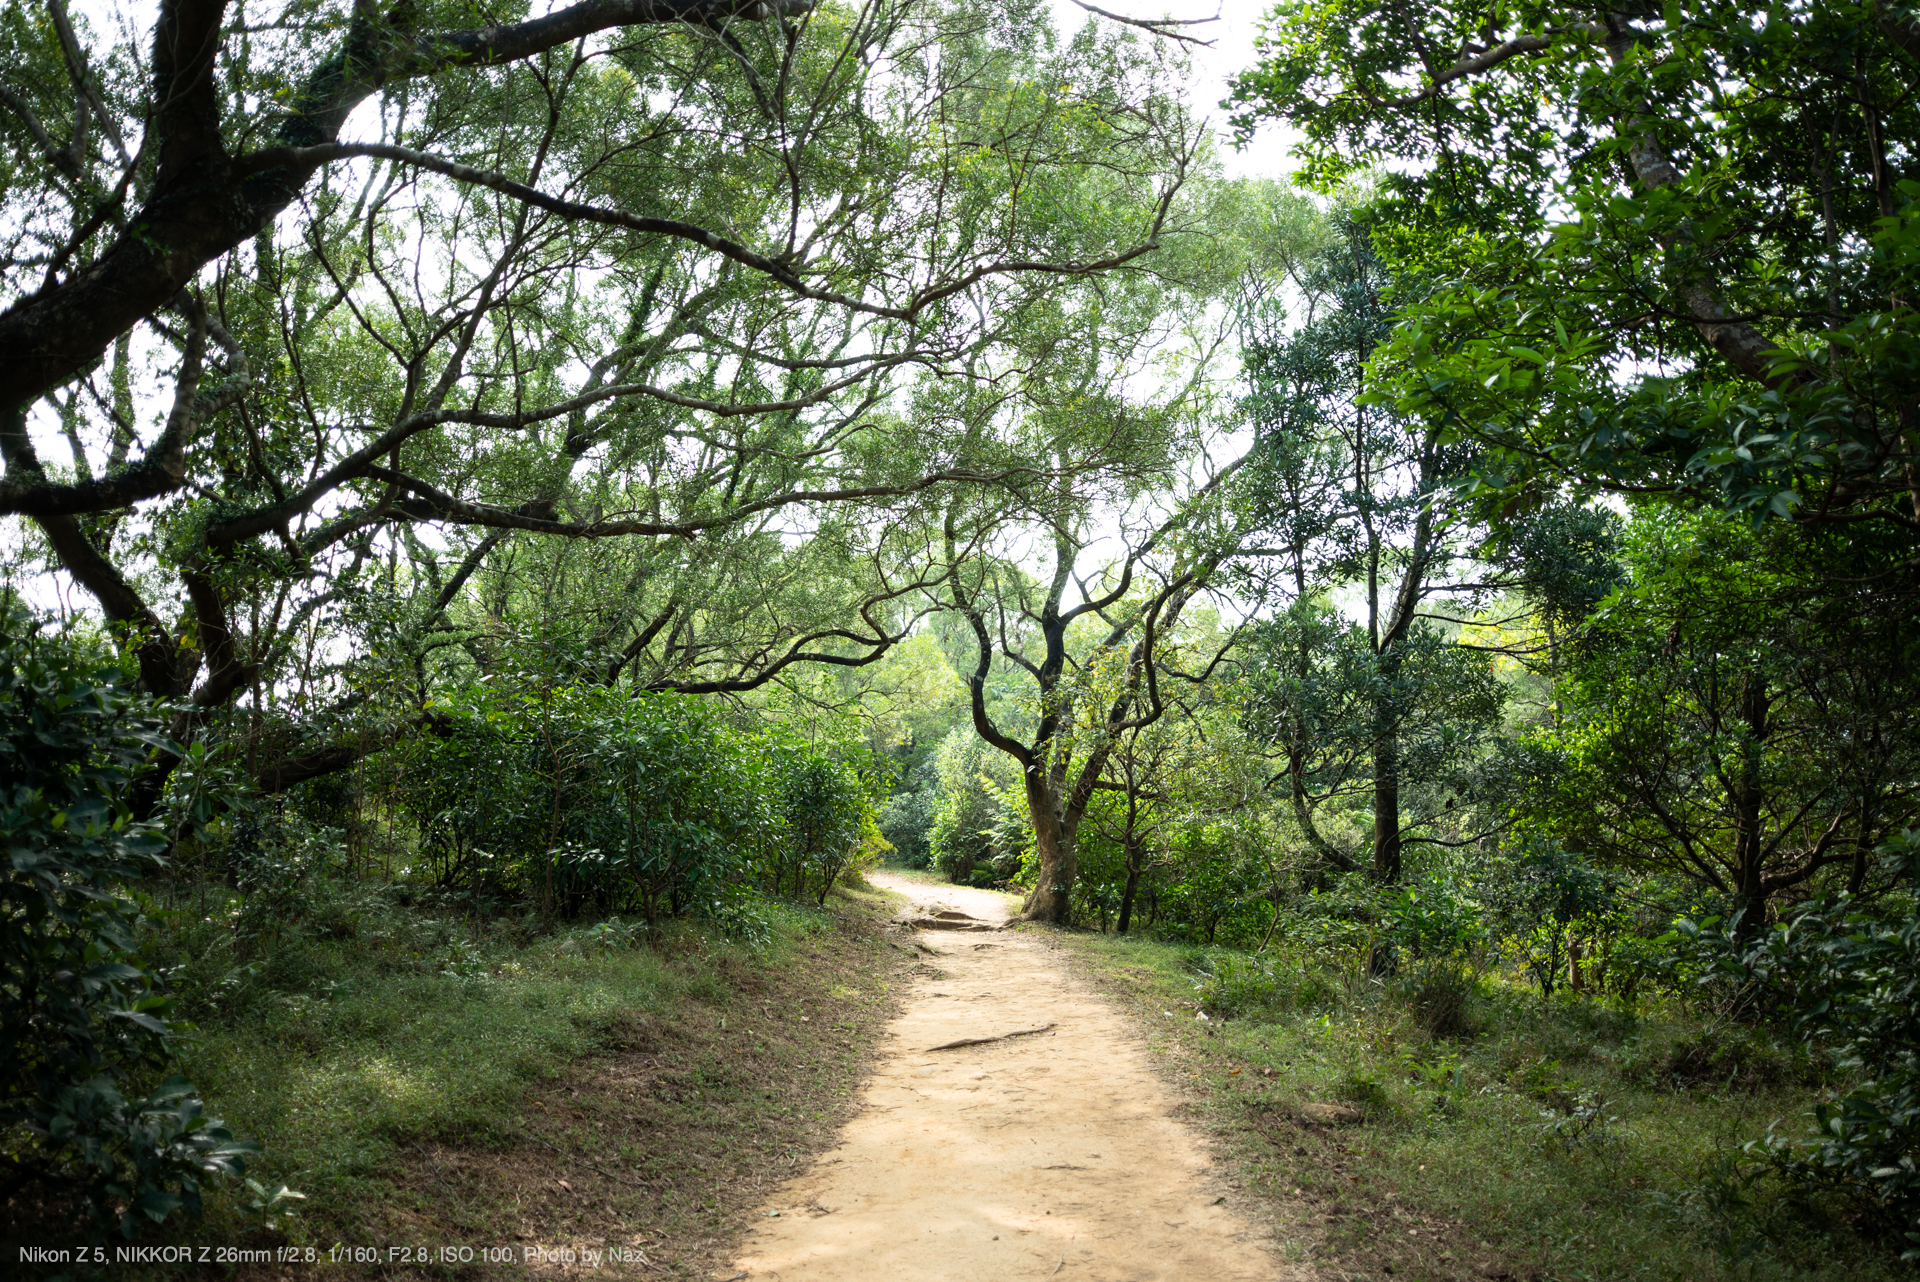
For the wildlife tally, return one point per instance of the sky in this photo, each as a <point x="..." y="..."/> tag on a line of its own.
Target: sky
<point x="1232" y="40"/>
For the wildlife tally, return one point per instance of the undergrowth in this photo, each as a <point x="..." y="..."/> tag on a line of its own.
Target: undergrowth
<point x="399" y="1023"/>
<point x="1481" y="1131"/>
<point x="393" y="1058"/>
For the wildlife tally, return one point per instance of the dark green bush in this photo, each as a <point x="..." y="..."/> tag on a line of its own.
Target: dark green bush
<point x="906" y="820"/>
<point x="1725" y="1055"/>
<point x="1853" y="978"/>
<point x="1544" y="900"/>
<point x="83" y="1031"/>
<point x="826" y="812"/>
<point x="586" y="799"/>
<point x="1217" y="896"/>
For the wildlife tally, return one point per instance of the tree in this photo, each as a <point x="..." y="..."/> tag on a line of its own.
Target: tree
<point x="1727" y="721"/>
<point x="332" y="309"/>
<point x="1165" y="779"/>
<point x="1091" y="668"/>
<point x="1318" y="701"/>
<point x="1354" y="497"/>
<point x="1141" y="768"/>
<point x="1082" y="704"/>
<point x="976" y="819"/>
<point x="1675" y="244"/>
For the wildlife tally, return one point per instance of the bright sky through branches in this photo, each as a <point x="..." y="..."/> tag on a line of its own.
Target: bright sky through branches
<point x="1229" y="52"/>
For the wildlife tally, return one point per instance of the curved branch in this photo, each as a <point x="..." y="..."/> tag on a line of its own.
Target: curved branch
<point x="199" y="207"/>
<point x="780" y="269"/>
<point x="1472" y="63"/>
<point x="1159" y="26"/>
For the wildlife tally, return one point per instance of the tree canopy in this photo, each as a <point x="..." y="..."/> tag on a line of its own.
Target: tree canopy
<point x="350" y="312"/>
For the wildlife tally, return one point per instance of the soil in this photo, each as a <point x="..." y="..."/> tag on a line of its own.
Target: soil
<point x="1043" y="1154"/>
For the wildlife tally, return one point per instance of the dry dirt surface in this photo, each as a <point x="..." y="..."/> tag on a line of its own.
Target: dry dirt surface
<point x="1051" y="1154"/>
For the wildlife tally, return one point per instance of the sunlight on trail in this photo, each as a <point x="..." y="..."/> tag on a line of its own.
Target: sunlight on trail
<point x="1017" y="1158"/>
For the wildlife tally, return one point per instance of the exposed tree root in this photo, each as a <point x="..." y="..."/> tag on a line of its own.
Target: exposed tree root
<point x="982" y="1041"/>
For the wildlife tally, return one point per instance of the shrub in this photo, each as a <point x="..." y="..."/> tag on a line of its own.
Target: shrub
<point x="1256" y="986"/>
<point x="1724" y="1055"/>
<point x="827" y="809"/>
<point x="83" y="1031"/>
<point x="1363" y="1089"/>
<point x="1440" y="996"/>
<point x="590" y="799"/>
<point x="976" y="817"/>
<point x="1544" y="900"/>
<point x="906" y="820"/>
<point x="1217" y="891"/>
<point x="1853" y="978"/>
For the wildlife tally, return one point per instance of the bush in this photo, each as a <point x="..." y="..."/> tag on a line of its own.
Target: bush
<point x="1433" y="920"/>
<point x="587" y="799"/>
<point x="906" y="820"/>
<point x="83" y="1031"/>
<point x="1440" y="996"/>
<point x="1724" y="1055"/>
<point x="1854" y="982"/>
<point x="1545" y="899"/>
<point x="1256" y="986"/>
<point x="827" y="809"/>
<point x="977" y="819"/>
<point x="1218" y="890"/>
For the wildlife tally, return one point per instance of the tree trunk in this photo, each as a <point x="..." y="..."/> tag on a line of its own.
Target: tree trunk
<point x="1748" y="793"/>
<point x="1126" y="896"/>
<point x="1054" y="839"/>
<point x="1386" y="804"/>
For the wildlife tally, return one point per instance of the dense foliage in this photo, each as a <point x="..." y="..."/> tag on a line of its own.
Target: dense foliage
<point x="84" y="1110"/>
<point x="592" y="800"/>
<point x="612" y="474"/>
<point x="1851" y="976"/>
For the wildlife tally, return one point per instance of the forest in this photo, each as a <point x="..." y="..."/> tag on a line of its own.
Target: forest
<point x="514" y="517"/>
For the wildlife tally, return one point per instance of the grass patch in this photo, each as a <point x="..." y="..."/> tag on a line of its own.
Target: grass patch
<point x="1446" y="1129"/>
<point x="431" y="1081"/>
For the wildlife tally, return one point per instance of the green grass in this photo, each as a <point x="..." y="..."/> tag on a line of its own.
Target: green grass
<point x="408" y="1069"/>
<point x="1473" y="1158"/>
<point x="330" y="1086"/>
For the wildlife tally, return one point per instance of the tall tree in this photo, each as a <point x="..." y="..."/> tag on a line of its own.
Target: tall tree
<point x="1354" y="500"/>
<point x="332" y="308"/>
<point x="1086" y="697"/>
<point x="1125" y="550"/>
<point x="1676" y="244"/>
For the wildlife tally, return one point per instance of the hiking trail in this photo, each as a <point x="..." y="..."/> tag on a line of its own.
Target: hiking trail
<point x="1040" y="1145"/>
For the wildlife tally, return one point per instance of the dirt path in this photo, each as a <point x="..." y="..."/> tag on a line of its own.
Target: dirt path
<point x="1049" y="1156"/>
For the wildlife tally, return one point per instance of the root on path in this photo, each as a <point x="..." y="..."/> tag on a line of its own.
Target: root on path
<point x="982" y="1041"/>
